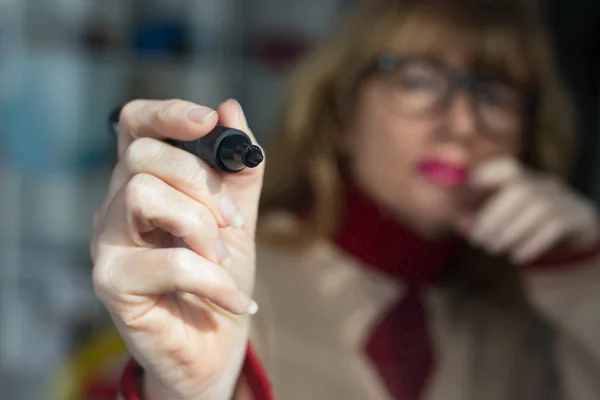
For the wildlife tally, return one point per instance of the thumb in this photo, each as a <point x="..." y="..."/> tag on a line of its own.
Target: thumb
<point x="231" y="115"/>
<point x="495" y="173"/>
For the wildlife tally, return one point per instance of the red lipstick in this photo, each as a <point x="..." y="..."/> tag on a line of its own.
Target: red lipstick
<point x="443" y="173"/>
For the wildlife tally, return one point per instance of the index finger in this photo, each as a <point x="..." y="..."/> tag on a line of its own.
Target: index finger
<point x="495" y="173"/>
<point x="163" y="119"/>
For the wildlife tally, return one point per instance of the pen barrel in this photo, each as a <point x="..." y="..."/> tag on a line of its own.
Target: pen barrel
<point x="220" y="148"/>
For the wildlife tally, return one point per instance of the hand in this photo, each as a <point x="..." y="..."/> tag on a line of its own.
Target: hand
<point x="527" y="215"/>
<point x="174" y="251"/>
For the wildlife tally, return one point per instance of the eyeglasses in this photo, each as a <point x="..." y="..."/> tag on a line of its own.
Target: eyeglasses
<point x="417" y="86"/>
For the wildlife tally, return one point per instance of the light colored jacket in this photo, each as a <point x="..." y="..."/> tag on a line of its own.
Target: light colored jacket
<point x="317" y="308"/>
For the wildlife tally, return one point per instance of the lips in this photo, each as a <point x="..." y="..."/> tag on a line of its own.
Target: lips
<point x="443" y="173"/>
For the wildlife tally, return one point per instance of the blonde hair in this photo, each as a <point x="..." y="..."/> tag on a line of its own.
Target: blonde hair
<point x="500" y="35"/>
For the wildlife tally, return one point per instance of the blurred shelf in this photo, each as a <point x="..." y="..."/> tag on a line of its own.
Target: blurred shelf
<point x="65" y="64"/>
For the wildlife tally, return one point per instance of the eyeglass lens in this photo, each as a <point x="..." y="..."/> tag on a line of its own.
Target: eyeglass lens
<point x="418" y="88"/>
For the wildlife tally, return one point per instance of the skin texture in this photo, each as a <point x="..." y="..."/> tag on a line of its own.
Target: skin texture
<point x="528" y="215"/>
<point x="174" y="246"/>
<point x="523" y="215"/>
<point x="174" y="250"/>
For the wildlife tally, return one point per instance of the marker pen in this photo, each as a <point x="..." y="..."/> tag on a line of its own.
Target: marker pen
<point x="224" y="149"/>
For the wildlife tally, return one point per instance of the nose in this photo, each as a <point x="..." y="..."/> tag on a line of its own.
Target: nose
<point x="461" y="119"/>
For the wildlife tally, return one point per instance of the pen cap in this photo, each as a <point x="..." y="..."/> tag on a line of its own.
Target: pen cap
<point x="225" y="149"/>
<point x="235" y="151"/>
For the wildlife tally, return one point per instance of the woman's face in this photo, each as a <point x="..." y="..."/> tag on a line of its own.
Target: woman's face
<point x="414" y="157"/>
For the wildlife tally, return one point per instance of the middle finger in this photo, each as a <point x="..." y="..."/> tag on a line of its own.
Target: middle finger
<point x="183" y="171"/>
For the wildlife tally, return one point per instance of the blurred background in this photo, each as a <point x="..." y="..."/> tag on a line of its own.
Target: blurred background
<point x="65" y="63"/>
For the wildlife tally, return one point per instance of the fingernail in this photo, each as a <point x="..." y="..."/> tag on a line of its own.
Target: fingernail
<point x="230" y="212"/>
<point x="238" y="221"/>
<point x="247" y="304"/>
<point x="200" y="114"/>
<point x="253" y="309"/>
<point x="223" y="254"/>
<point x="227" y="263"/>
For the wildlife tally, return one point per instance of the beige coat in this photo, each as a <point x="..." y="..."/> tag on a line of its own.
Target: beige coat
<point x="317" y="308"/>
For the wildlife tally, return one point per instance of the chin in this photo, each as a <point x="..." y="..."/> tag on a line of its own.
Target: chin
<point x="437" y="205"/>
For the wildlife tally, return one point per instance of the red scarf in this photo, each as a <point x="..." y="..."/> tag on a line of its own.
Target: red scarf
<point x="399" y="346"/>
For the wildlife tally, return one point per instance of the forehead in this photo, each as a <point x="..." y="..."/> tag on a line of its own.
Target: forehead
<point x="494" y="48"/>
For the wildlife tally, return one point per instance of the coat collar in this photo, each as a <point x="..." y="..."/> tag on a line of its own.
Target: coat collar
<point x="370" y="234"/>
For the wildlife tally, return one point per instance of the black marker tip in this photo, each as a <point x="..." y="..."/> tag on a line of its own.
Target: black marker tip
<point x="252" y="156"/>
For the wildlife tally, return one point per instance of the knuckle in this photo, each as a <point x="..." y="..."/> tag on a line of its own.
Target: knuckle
<point x="141" y="153"/>
<point x="102" y="279"/>
<point x="188" y="166"/>
<point x="139" y="189"/>
<point x="195" y="220"/>
<point x="198" y="175"/>
<point x="179" y="258"/>
<point x="180" y="262"/>
<point x="165" y="112"/>
<point x="127" y="112"/>
<point x="226" y="287"/>
<point x="184" y="266"/>
<point x="170" y="103"/>
<point x="205" y="222"/>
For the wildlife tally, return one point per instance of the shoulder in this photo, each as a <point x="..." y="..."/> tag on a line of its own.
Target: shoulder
<point x="316" y="305"/>
<point x="285" y="277"/>
<point x="315" y="283"/>
<point x="272" y="255"/>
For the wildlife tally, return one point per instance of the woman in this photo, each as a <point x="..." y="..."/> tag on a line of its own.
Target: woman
<point x="415" y="239"/>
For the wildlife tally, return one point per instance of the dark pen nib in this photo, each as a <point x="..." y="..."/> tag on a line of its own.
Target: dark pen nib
<point x="252" y="156"/>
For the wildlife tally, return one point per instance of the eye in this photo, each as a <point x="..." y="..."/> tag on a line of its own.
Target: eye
<point x="498" y="95"/>
<point x="417" y="77"/>
<point x="414" y="82"/>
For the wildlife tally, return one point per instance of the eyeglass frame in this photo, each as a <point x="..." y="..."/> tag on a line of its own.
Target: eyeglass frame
<point x="459" y="80"/>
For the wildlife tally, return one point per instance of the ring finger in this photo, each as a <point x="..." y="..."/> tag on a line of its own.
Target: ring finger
<point x="148" y="205"/>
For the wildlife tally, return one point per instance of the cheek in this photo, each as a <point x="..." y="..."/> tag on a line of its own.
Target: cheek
<point x="384" y="151"/>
